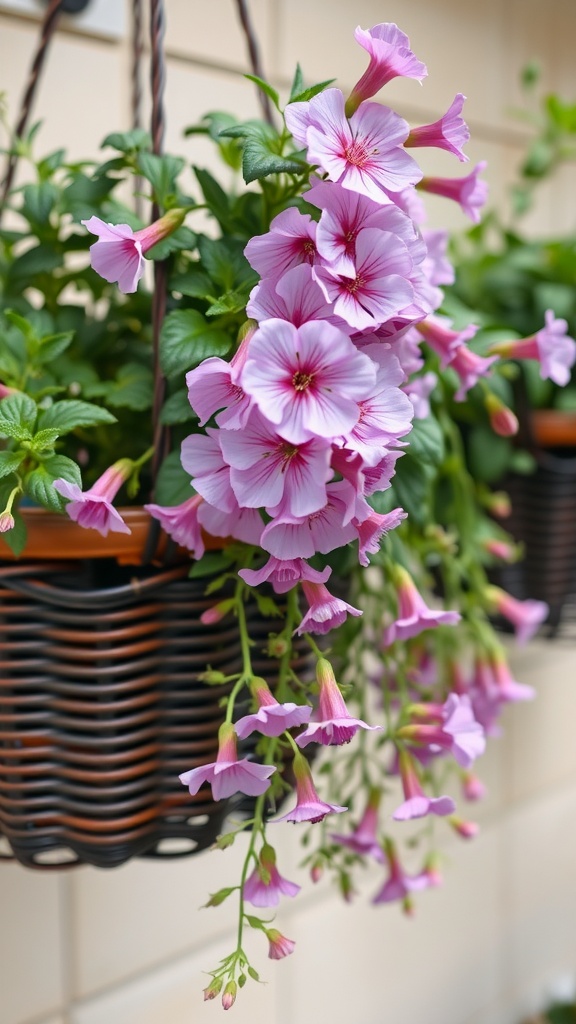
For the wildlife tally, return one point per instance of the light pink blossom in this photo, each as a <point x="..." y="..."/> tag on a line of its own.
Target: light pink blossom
<point x="268" y="471"/>
<point x="296" y="297"/>
<point x="201" y="456"/>
<point x="364" y="154"/>
<point x="265" y="886"/>
<point x="364" y="839"/>
<point x="373" y="528"/>
<point x="526" y="616"/>
<point x="470" y="192"/>
<point x="228" y="775"/>
<point x="93" y="508"/>
<point x="399" y="885"/>
<point x="380" y="287"/>
<point x="290" y="241"/>
<point x="272" y="718"/>
<point x="416" y="803"/>
<point x="284" y="574"/>
<point x="326" y="612"/>
<point x="181" y="523"/>
<point x="450" y="726"/>
<point x="332" y="723"/>
<point x="279" y="945"/>
<point x="450" y="132"/>
<point x="118" y="255"/>
<point x="390" y="57"/>
<point x="414" y="615"/>
<point x="309" y="806"/>
<point x="551" y="346"/>
<point x="304" y="536"/>
<point x="306" y="381"/>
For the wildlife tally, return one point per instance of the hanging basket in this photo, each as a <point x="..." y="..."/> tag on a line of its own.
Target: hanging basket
<point x="101" y="705"/>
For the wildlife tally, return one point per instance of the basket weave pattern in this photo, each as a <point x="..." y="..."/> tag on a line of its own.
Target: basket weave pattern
<point x="101" y="709"/>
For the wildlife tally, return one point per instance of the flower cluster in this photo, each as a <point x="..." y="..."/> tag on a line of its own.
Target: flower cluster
<point x="325" y="460"/>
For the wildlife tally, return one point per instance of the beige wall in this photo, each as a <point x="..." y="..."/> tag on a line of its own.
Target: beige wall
<point x="129" y="946"/>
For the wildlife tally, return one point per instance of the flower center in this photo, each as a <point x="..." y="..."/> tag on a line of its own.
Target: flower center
<point x="356" y="153"/>
<point x="353" y="285"/>
<point x="286" y="452"/>
<point x="309" y="250"/>
<point x="302" y="380"/>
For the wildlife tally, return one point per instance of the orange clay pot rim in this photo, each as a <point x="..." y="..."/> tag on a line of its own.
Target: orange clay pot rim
<point x="554" y="427"/>
<point x="53" y="536"/>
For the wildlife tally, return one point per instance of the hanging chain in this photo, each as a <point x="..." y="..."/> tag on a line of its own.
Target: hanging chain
<point x="49" y="23"/>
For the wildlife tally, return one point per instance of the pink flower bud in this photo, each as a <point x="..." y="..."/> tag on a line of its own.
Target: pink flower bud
<point x="502" y="420"/>
<point x="229" y="995"/>
<point x="6" y="522"/>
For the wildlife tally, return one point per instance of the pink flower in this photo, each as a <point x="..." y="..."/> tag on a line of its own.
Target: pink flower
<point x="419" y="390"/>
<point x="229" y="995"/>
<point x="493" y="686"/>
<point x="385" y="411"/>
<point x="399" y="885"/>
<point x="323" y="531"/>
<point x="241" y="523"/>
<point x="201" y="456"/>
<point x="442" y="340"/>
<point x="333" y="724"/>
<point x="279" y="946"/>
<point x="450" y="132"/>
<point x="437" y="266"/>
<point x="118" y="255"/>
<point x="6" y="522"/>
<point x="370" y="531"/>
<point x="228" y="775"/>
<point x="92" y="509"/>
<point x="364" y="154"/>
<point x="268" y="471"/>
<point x="414" y="615"/>
<point x="345" y="214"/>
<point x="470" y="367"/>
<point x="552" y="347"/>
<point x="181" y="523"/>
<point x="390" y="57"/>
<point x="502" y="420"/>
<point x="526" y="616"/>
<point x="296" y="297"/>
<point x="379" y="288"/>
<point x="309" y="806"/>
<point x="306" y="381"/>
<point x="212" y="387"/>
<point x="265" y="885"/>
<point x="450" y="726"/>
<point x="416" y="803"/>
<point x="469" y="192"/>
<point x="472" y="787"/>
<point x="272" y="718"/>
<point x="364" y="839"/>
<point x="289" y="242"/>
<point x="284" y="574"/>
<point x="325" y="612"/>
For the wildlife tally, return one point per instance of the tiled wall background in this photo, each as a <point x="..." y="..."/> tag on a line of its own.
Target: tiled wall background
<point x="130" y="946"/>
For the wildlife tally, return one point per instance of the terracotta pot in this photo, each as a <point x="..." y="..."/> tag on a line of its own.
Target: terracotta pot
<point x="54" y="537"/>
<point x="554" y="428"/>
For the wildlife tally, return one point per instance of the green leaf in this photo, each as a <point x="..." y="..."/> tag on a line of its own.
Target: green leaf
<point x="44" y="439"/>
<point x="230" y="302"/>
<point x="426" y="441"/>
<point x="411" y="487"/>
<point x="39" y="482"/>
<point x="22" y="324"/>
<point x="39" y="201"/>
<point x="311" y="91"/>
<point x="177" y="409"/>
<point x="210" y="563"/>
<point x="50" y="163"/>
<point x="223" y="259"/>
<point x="173" y="484"/>
<point x="17" y="416"/>
<point x="194" y="283"/>
<point x="53" y="345"/>
<point x="40" y="259"/>
<point x="215" y="197"/>
<point x="297" y="84"/>
<point x="161" y="172"/>
<point x="128" y="142"/>
<point x="9" y="462"/>
<point x="266" y="88"/>
<point x="186" y="339"/>
<point x="132" y="389"/>
<point x="84" y="195"/>
<point x="259" y="158"/>
<point x="69" y="414"/>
